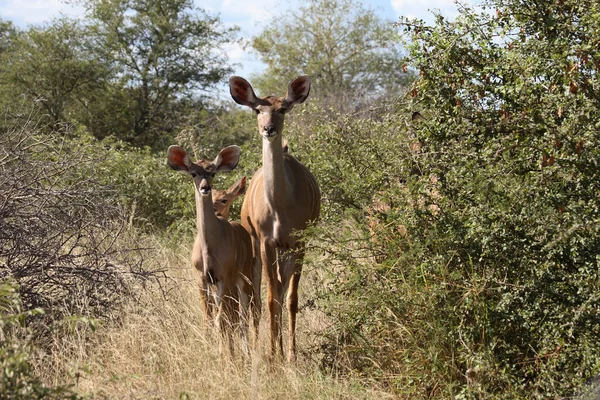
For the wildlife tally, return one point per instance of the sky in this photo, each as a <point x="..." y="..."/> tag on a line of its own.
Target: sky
<point x="250" y="16"/>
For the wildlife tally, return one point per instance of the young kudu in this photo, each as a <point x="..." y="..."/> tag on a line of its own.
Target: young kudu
<point x="222" y="199"/>
<point x="282" y="198"/>
<point x="222" y="253"/>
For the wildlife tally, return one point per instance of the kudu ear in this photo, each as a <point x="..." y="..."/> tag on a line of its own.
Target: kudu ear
<point x="298" y="91"/>
<point x="238" y="188"/>
<point x="178" y="159"/>
<point x="242" y="92"/>
<point x="228" y="158"/>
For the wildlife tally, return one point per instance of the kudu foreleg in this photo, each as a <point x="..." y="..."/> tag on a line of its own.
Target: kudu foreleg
<point x="206" y="299"/>
<point x="274" y="295"/>
<point x="228" y="317"/>
<point x="291" y="272"/>
<point x="292" y="305"/>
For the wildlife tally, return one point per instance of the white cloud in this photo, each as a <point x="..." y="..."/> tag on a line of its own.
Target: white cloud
<point x="247" y="14"/>
<point x="235" y="52"/>
<point x="255" y="12"/>
<point x="33" y="12"/>
<point x="430" y="4"/>
<point x="422" y="9"/>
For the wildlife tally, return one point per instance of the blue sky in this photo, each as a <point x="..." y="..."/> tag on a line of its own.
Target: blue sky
<point x="250" y="16"/>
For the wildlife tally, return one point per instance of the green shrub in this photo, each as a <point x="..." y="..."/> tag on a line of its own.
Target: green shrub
<point x="18" y="379"/>
<point x="156" y="197"/>
<point x="480" y="274"/>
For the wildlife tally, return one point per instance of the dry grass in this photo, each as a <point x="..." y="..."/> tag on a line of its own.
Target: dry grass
<point x="161" y="350"/>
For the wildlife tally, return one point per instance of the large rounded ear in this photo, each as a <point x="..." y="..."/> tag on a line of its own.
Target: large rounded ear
<point x="178" y="159"/>
<point x="298" y="91"/>
<point x="238" y="188"/>
<point x="228" y="158"/>
<point x="242" y="92"/>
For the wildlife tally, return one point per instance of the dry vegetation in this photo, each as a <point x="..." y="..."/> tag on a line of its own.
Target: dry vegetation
<point x="160" y="349"/>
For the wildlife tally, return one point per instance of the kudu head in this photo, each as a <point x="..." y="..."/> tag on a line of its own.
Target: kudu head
<point x="222" y="199"/>
<point x="203" y="171"/>
<point x="269" y="110"/>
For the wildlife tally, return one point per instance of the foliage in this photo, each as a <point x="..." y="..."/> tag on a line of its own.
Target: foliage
<point x="156" y="198"/>
<point x="144" y="185"/>
<point x="350" y="154"/>
<point x="350" y="53"/>
<point x="161" y="51"/>
<point x="479" y="276"/>
<point x="130" y="69"/>
<point x="52" y="65"/>
<point x="207" y="130"/>
<point x="18" y="379"/>
<point x="514" y="125"/>
<point x="7" y="35"/>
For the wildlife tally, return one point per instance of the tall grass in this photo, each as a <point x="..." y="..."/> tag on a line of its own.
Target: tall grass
<point x="160" y="349"/>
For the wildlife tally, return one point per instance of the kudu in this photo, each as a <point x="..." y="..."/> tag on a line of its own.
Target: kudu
<point x="222" y="254"/>
<point x="282" y="199"/>
<point x="222" y="199"/>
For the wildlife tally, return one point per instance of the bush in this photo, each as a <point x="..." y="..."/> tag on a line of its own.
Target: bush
<point x="516" y="153"/>
<point x="481" y="277"/>
<point x="18" y="379"/>
<point x="62" y="230"/>
<point x="157" y="198"/>
<point x="144" y="184"/>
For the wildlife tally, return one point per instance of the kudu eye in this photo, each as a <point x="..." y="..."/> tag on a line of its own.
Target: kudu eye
<point x="193" y="174"/>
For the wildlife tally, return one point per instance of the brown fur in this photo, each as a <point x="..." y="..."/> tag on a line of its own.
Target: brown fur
<point x="222" y="199"/>
<point x="222" y="255"/>
<point x="283" y="197"/>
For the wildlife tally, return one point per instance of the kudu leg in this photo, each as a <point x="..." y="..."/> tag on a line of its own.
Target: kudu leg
<point x="292" y="305"/>
<point x="274" y="295"/>
<point x="244" y="317"/>
<point x="226" y="318"/>
<point x="206" y="300"/>
<point x="292" y="272"/>
<point x="256" y="302"/>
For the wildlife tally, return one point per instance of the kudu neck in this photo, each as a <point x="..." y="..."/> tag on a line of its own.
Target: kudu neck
<point x="207" y="221"/>
<point x="273" y="169"/>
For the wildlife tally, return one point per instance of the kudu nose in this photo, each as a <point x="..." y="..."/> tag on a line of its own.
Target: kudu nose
<point x="270" y="129"/>
<point x="205" y="188"/>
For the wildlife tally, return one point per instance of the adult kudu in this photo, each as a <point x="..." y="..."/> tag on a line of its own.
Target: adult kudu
<point x="283" y="198"/>
<point x="223" y="252"/>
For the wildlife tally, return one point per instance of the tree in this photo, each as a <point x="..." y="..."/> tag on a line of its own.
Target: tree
<point x="345" y="49"/>
<point x="161" y="51"/>
<point x="7" y="34"/>
<point x="51" y="65"/>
